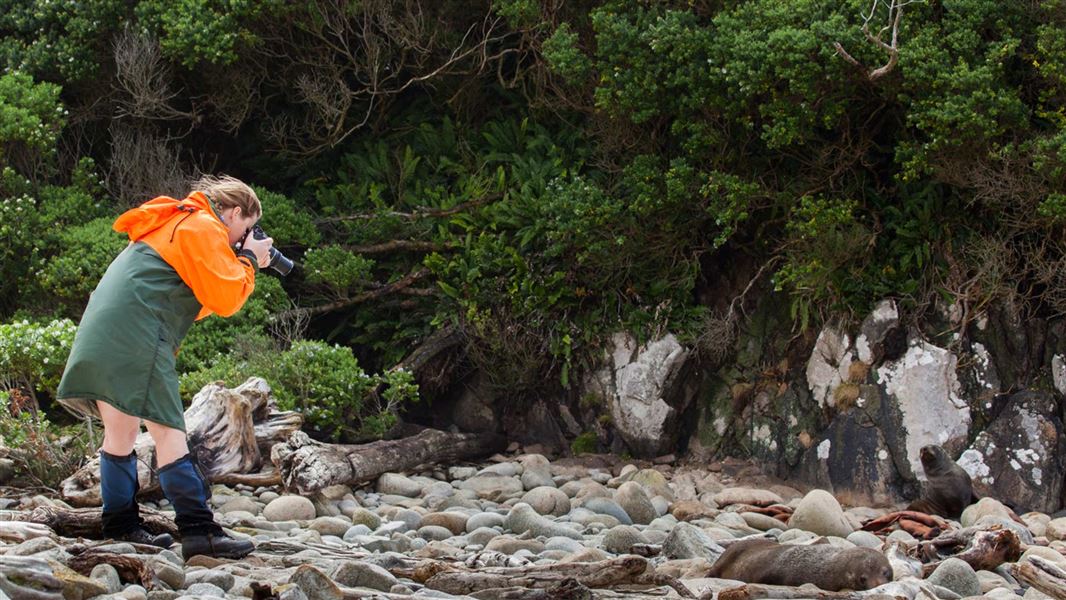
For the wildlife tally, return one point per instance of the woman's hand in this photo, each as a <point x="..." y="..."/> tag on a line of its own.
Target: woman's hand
<point x="261" y="249"/>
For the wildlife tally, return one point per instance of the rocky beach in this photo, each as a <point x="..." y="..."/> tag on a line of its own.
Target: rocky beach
<point x="514" y="526"/>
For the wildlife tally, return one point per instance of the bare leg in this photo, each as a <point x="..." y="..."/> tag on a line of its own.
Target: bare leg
<point x="118" y="479"/>
<point x="170" y="444"/>
<point x="120" y="429"/>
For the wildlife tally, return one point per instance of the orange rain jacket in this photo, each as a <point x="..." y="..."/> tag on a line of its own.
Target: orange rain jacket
<point x="190" y="237"/>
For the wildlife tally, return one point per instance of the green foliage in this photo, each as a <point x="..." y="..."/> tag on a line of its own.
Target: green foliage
<point x="585" y="443"/>
<point x="32" y="355"/>
<point x="59" y="40"/>
<point x="285" y="222"/>
<point x="210" y="339"/>
<point x="323" y="382"/>
<point x="44" y="454"/>
<point x="519" y="13"/>
<point x="564" y="56"/>
<point x="85" y="251"/>
<point x="337" y="268"/>
<point x="211" y="31"/>
<point x="31" y="116"/>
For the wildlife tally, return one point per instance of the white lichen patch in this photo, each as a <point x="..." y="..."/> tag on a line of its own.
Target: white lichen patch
<point x="974" y="463"/>
<point x="1058" y="373"/>
<point x="720" y="425"/>
<point x="1038" y="475"/>
<point x="823" y="450"/>
<point x="1027" y="456"/>
<point x="762" y="433"/>
<point x="982" y="366"/>
<point x="882" y="454"/>
<point x="828" y="365"/>
<point x="926" y="389"/>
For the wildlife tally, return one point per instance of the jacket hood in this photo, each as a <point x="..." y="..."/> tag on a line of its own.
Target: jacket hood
<point x="157" y="212"/>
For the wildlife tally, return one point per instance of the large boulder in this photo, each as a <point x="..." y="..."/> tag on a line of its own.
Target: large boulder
<point x="1021" y="456"/>
<point x="645" y="392"/>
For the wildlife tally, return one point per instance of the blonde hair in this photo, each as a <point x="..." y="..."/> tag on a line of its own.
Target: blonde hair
<point x="226" y="192"/>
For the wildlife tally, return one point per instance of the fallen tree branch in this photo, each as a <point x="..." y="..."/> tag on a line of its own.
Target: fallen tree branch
<point x="129" y="567"/>
<point x="308" y="466"/>
<point x="377" y="292"/>
<point x="86" y="523"/>
<point x="420" y="213"/>
<point x="1042" y="575"/>
<point x="985" y="549"/>
<point x="602" y="574"/>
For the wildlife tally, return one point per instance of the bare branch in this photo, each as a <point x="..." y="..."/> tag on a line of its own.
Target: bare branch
<point x="379" y="291"/>
<point x="142" y="74"/>
<point x="420" y="213"/>
<point x="894" y="16"/>
<point x="401" y="245"/>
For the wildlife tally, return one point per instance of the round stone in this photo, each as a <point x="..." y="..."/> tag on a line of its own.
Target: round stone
<point x="958" y="576"/>
<point x="290" y="508"/>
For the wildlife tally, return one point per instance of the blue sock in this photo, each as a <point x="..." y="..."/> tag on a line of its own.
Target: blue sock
<point x="118" y="491"/>
<point x="186" y="488"/>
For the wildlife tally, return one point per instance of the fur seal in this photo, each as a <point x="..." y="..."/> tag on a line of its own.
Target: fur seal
<point x="829" y="567"/>
<point x="948" y="488"/>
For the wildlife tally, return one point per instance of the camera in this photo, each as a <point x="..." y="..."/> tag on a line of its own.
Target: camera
<point x="278" y="261"/>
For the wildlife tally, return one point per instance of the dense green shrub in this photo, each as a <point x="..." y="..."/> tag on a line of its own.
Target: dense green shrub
<point x="84" y="253"/>
<point x="210" y="339"/>
<point x="325" y="383"/>
<point x="32" y="355"/>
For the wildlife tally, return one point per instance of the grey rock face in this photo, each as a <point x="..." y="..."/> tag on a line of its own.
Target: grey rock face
<point x="1022" y="454"/>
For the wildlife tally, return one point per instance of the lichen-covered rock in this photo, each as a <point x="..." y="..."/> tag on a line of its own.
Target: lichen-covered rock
<point x="645" y="392"/>
<point x="924" y="388"/>
<point x="1022" y="454"/>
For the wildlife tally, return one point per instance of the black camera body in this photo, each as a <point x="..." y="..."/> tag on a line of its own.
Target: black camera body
<point x="278" y="261"/>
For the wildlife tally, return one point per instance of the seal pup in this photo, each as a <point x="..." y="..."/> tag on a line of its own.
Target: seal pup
<point x="829" y="567"/>
<point x="948" y="488"/>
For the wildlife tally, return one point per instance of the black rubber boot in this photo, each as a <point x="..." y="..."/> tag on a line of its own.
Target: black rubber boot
<point x="186" y="488"/>
<point x="121" y="517"/>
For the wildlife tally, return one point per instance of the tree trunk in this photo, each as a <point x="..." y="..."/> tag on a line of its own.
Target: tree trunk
<point x="228" y="432"/>
<point x="308" y="466"/>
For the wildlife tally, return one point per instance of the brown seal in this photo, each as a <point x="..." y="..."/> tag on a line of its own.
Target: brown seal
<point x="948" y="488"/>
<point x="829" y="567"/>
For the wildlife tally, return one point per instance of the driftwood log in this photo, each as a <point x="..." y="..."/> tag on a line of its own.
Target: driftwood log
<point x="602" y="574"/>
<point x="85" y="522"/>
<point x="1043" y="575"/>
<point x="982" y="549"/>
<point x="230" y="430"/>
<point x="308" y="466"/>
<point x="29" y="578"/>
<point x="131" y="569"/>
<point x="755" y="591"/>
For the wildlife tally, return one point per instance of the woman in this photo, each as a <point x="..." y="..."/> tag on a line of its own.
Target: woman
<point x="180" y="266"/>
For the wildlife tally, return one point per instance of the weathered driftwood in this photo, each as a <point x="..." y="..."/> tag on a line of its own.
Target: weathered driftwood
<point x="130" y="568"/>
<point x="229" y="432"/>
<point x="567" y="589"/>
<point x="758" y="591"/>
<point x="17" y="531"/>
<point x="602" y="574"/>
<point x="263" y="479"/>
<point x="29" y="578"/>
<point x="308" y="466"/>
<point x="1043" y="575"/>
<point x="85" y="522"/>
<point x="983" y="549"/>
<point x="307" y="577"/>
